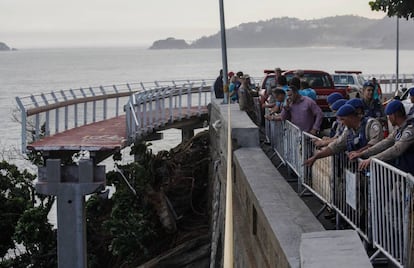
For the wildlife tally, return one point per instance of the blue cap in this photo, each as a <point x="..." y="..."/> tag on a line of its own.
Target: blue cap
<point x="356" y="103"/>
<point x="345" y="110"/>
<point x="334" y="97"/>
<point x="393" y="106"/>
<point x="412" y="91"/>
<point x="368" y="84"/>
<point x="338" y="104"/>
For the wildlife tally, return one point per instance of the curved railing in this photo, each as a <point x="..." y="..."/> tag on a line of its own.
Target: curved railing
<point x="46" y="114"/>
<point x="151" y="109"/>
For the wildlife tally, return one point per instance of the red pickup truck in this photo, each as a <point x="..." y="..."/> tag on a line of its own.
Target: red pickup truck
<point x="320" y="81"/>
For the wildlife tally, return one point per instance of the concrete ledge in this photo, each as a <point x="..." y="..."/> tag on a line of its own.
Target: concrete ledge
<point x="244" y="131"/>
<point x="340" y="249"/>
<point x="275" y="215"/>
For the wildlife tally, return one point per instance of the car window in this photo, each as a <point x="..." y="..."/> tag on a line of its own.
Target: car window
<point x="361" y="79"/>
<point x="270" y="81"/>
<point x="351" y="80"/>
<point x="340" y="79"/>
<point x="314" y="79"/>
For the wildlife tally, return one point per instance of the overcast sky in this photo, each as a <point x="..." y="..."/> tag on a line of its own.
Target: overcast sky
<point x="48" y="23"/>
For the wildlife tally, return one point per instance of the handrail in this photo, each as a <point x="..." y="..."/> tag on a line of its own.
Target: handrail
<point x="46" y="114"/>
<point x="169" y="106"/>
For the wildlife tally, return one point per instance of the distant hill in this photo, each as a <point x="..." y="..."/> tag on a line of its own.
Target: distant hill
<point x="4" y="47"/>
<point x="345" y="31"/>
<point x="170" y="43"/>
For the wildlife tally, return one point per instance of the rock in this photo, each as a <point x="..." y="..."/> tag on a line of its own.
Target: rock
<point x="170" y="43"/>
<point x="4" y="47"/>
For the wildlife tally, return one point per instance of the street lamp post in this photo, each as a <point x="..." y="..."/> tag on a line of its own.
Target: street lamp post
<point x="397" y="52"/>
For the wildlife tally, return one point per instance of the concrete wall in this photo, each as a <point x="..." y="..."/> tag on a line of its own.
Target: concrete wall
<point x="269" y="217"/>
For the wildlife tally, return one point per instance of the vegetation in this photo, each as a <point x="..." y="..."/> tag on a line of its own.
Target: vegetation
<point x="160" y="201"/>
<point x="26" y="237"/>
<point x="400" y="8"/>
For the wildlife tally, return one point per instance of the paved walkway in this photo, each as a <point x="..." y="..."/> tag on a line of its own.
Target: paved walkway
<point x="106" y="135"/>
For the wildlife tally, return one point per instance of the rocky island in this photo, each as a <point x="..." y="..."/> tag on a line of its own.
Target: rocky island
<point x="170" y="43"/>
<point x="4" y="47"/>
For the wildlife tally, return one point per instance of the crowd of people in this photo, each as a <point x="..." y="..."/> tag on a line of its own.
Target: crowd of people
<point x="361" y="126"/>
<point x="238" y="90"/>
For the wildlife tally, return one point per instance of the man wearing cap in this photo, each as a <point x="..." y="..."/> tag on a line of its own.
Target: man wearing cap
<point x="360" y="133"/>
<point x="337" y="127"/>
<point x="334" y="97"/>
<point x="397" y="147"/>
<point x="358" y="105"/>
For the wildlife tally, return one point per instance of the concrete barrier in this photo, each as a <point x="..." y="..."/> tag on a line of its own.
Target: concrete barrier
<point x="339" y="249"/>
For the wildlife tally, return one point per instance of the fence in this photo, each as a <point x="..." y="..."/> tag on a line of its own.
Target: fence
<point x="377" y="203"/>
<point x="153" y="108"/>
<point x="46" y="114"/>
<point x="388" y="82"/>
<point x="392" y="203"/>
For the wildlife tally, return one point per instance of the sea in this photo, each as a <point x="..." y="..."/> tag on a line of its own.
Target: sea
<point x="29" y="71"/>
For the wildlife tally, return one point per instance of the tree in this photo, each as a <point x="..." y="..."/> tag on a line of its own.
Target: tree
<point x="400" y="8"/>
<point x="26" y="236"/>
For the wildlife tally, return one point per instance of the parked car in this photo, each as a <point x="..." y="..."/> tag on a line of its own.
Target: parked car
<point x="351" y="81"/>
<point x="404" y="96"/>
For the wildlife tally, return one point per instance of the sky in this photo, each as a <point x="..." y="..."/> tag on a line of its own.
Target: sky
<point x="71" y="23"/>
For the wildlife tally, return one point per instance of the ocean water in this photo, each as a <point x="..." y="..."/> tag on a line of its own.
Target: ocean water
<point x="24" y="72"/>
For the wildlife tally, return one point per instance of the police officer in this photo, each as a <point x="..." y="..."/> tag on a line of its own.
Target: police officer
<point x="397" y="147"/>
<point x="372" y="107"/>
<point x="361" y="133"/>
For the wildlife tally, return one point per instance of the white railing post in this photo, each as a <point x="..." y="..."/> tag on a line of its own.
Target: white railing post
<point x="180" y="106"/>
<point x="189" y="100"/>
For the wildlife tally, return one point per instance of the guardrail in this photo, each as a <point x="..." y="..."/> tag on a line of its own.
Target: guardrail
<point x="46" y="114"/>
<point x="378" y="203"/>
<point x="388" y="81"/>
<point x="153" y="108"/>
<point x="392" y="217"/>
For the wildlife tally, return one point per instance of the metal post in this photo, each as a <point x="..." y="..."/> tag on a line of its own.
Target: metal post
<point x="397" y="52"/>
<point x="70" y="184"/>
<point x="223" y="43"/>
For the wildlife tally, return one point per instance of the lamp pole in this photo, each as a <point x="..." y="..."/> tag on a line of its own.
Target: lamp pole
<point x="228" y="228"/>
<point x="223" y="43"/>
<point x="397" y="52"/>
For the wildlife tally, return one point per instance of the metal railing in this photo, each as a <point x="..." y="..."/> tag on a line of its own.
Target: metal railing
<point x="388" y="81"/>
<point x="150" y="109"/>
<point x="318" y="178"/>
<point x="47" y="114"/>
<point x="392" y="205"/>
<point x="351" y="195"/>
<point x="378" y="203"/>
